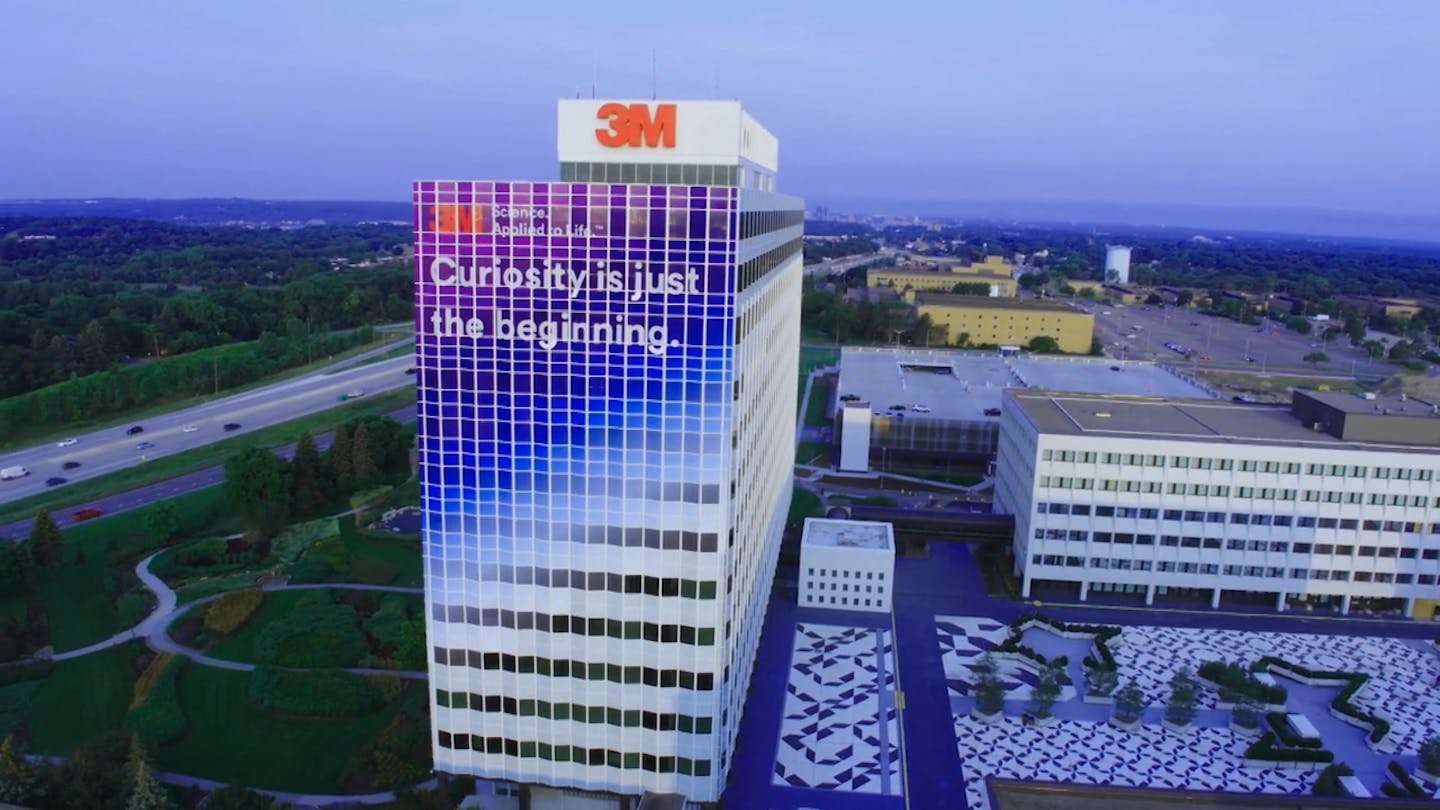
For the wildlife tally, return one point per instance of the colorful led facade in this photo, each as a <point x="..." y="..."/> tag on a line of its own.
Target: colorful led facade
<point x="606" y="379"/>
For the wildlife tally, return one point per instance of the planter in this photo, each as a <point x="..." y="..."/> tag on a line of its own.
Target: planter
<point x="1284" y="766"/>
<point x="1123" y="725"/>
<point x="1100" y="699"/>
<point x="1241" y="731"/>
<point x="1169" y="726"/>
<point x="987" y="718"/>
<point x="1045" y="722"/>
<point x="1426" y="776"/>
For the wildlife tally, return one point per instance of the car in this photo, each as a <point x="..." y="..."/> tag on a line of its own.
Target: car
<point x="356" y="393"/>
<point x="992" y="411"/>
<point x="410" y="371"/>
<point x="190" y="428"/>
<point x="1114" y="368"/>
<point x="88" y="513"/>
<point x="849" y="397"/>
<point x="55" y="481"/>
<point x="229" y="426"/>
<point x="67" y="443"/>
<point x="134" y="430"/>
<point x="144" y="445"/>
<point x="70" y="465"/>
<point x="920" y="408"/>
<point x="1238" y="399"/>
<point x="1131" y="336"/>
<point x="1106" y="312"/>
<point x="1194" y="323"/>
<point x="897" y="407"/>
<point x="1314" y="345"/>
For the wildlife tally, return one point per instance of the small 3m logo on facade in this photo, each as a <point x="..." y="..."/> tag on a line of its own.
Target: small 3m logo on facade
<point x="633" y="125"/>
<point x="456" y="219"/>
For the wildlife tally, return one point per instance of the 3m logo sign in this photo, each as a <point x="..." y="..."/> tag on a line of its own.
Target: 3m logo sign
<point x="456" y="219"/>
<point x="633" y="125"/>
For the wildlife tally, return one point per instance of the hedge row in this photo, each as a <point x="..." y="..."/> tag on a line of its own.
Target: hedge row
<point x="1102" y="633"/>
<point x="155" y="714"/>
<point x="230" y="612"/>
<point x="1281" y="726"/>
<point x="1408" y="786"/>
<point x="1379" y="726"/>
<point x="1235" y="680"/>
<point x="317" y="633"/>
<point x="1329" y="782"/>
<point x="1266" y="749"/>
<point x="314" y="693"/>
<point x="388" y="622"/>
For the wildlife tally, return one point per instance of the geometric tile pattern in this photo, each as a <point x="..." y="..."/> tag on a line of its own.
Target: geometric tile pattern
<point x="839" y="730"/>
<point x="965" y="639"/>
<point x="1097" y="753"/>
<point x="1402" y="672"/>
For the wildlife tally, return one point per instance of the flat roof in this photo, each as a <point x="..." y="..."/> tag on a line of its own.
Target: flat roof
<point x="1178" y="419"/>
<point x="989" y="302"/>
<point x="962" y="385"/>
<point x="867" y="534"/>
<point x="1388" y="405"/>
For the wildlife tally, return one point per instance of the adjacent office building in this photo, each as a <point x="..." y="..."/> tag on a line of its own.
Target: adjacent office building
<point x="941" y="275"/>
<point x="606" y="372"/>
<point x="847" y="565"/>
<point x="1004" y="321"/>
<point x="1329" y="501"/>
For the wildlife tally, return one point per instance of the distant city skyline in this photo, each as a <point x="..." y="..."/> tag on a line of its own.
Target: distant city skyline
<point x="1324" y="106"/>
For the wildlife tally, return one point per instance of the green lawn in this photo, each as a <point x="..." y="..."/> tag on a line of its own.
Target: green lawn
<point x="385" y="561"/>
<point x="82" y="699"/>
<point x="13" y="700"/>
<point x="231" y="740"/>
<point x="210" y="455"/>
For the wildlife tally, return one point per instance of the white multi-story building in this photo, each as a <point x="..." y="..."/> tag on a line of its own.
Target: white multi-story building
<point x="847" y="565"/>
<point x="1333" y="499"/>
<point x="606" y="373"/>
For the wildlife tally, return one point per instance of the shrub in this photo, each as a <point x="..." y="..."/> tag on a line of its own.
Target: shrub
<point x="293" y="542"/>
<point x="1234" y="680"/>
<point x="330" y="551"/>
<point x="989" y="689"/>
<point x="1246" y="713"/>
<point x="145" y="684"/>
<point x="1265" y="748"/>
<point x="1281" y="727"/>
<point x="389" y="686"/>
<point x="1047" y="688"/>
<point x="1100" y="680"/>
<point x="310" y="571"/>
<point x="384" y="626"/>
<point x="1329" y="782"/>
<point x="1403" y="778"/>
<point x="1184" y="691"/>
<point x="1430" y="756"/>
<point x="1379" y="727"/>
<point x="317" y="633"/>
<point x="230" y="612"/>
<point x="156" y="715"/>
<point x="134" y="605"/>
<point x="314" y="693"/>
<point x="1129" y="703"/>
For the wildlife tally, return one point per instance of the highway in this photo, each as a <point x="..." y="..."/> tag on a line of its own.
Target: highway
<point x="111" y="449"/>
<point x="841" y="265"/>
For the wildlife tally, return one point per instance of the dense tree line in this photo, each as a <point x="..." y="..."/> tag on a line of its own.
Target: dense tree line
<point x="103" y="292"/>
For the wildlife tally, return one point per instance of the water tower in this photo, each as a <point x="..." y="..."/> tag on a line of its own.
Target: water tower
<point x="1117" y="264"/>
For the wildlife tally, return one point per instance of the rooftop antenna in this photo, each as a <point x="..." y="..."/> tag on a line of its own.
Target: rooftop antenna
<point x="594" y="71"/>
<point x="654" y="81"/>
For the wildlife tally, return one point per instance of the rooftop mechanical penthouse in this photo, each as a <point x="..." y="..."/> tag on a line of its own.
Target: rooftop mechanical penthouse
<point x="606" y="372"/>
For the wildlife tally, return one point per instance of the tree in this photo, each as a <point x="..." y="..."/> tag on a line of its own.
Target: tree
<point x="342" y="465"/>
<point x="1298" y="324"/>
<point x="46" y="543"/>
<point x="1184" y="298"/>
<point x="1097" y="347"/>
<point x="1401" y="351"/>
<point x="970" y="288"/>
<point x="1374" y="348"/>
<point x="1154" y="299"/>
<point x="962" y="340"/>
<point x="162" y="521"/>
<point x="922" y="329"/>
<point x="258" y="487"/>
<point x="1046" y="691"/>
<point x="1044" y="344"/>
<point x="1129" y="703"/>
<point x="18" y="784"/>
<point x="363" y="457"/>
<point x="1033" y="281"/>
<point x="1184" y="693"/>
<point x="1100" y="680"/>
<point x="411" y="652"/>
<point x="1088" y="293"/>
<point x="1246" y="713"/>
<point x="989" y="689"/>
<point x="145" y="792"/>
<point x="1316" y="358"/>
<point x="94" y="776"/>
<point x="309" y="485"/>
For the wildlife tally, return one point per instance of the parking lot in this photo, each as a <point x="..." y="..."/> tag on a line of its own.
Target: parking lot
<point x="1142" y="332"/>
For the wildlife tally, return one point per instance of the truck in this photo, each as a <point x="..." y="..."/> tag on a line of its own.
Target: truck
<point x="11" y="473"/>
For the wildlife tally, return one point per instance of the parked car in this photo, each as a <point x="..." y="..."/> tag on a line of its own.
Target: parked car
<point x="88" y="513"/>
<point x="134" y="430"/>
<point x="55" y="481"/>
<point x="69" y="465"/>
<point x="229" y="426"/>
<point x="68" y="442"/>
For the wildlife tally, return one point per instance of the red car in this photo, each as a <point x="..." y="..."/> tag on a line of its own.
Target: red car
<point x="87" y="514"/>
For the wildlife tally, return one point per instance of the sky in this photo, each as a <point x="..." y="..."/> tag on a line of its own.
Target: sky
<point x="1278" y="104"/>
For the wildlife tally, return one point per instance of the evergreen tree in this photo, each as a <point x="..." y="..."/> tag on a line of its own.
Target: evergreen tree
<point x="1129" y="703"/>
<point x="363" y="457"/>
<point x="25" y="564"/>
<point x="989" y="689"/>
<point x="162" y="521"/>
<point x="145" y="791"/>
<point x="17" y="776"/>
<point x="1184" y="694"/>
<point x="342" y="464"/>
<point x="1047" y="689"/>
<point x="46" y="544"/>
<point x="311" y="489"/>
<point x="257" y="485"/>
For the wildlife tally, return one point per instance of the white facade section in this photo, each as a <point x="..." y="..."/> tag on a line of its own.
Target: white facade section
<point x="1117" y="264"/>
<point x="855" y="437"/>
<point x="1130" y="511"/>
<point x="706" y="132"/>
<point x="847" y="565"/>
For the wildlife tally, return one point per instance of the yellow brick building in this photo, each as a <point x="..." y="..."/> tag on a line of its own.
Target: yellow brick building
<point x="1005" y="322"/>
<point x="941" y="275"/>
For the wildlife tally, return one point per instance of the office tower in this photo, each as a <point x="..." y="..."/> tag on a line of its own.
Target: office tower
<point x="606" y="372"/>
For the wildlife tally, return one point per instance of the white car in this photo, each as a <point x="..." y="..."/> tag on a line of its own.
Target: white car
<point x="190" y="428"/>
<point x="68" y="443"/>
<point x="356" y="393"/>
<point x="919" y="409"/>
